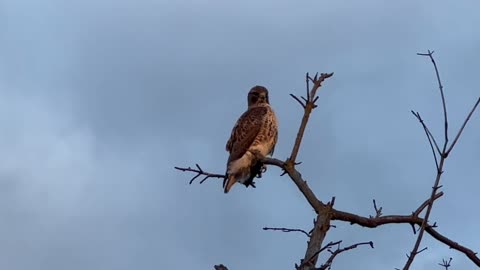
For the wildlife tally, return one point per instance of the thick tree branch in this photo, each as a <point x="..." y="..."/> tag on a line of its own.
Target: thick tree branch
<point x="322" y="224"/>
<point x="404" y="219"/>
<point x="309" y="261"/>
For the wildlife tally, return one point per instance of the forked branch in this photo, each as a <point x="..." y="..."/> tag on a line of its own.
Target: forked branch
<point x="339" y="250"/>
<point x="200" y="172"/>
<point x="439" y="164"/>
<point x="308" y="105"/>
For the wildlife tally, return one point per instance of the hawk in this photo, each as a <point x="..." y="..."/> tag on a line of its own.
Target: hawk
<point x="253" y="137"/>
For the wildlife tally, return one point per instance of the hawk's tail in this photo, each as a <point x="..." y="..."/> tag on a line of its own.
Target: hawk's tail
<point x="229" y="183"/>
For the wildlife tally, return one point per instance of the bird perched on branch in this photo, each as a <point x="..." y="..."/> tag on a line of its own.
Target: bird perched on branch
<point x="253" y="138"/>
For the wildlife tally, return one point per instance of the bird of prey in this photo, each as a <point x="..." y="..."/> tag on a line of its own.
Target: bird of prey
<point x="253" y="137"/>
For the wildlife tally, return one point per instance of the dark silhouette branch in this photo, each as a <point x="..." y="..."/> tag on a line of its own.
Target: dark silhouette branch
<point x="442" y="95"/>
<point x="439" y="164"/>
<point x="404" y="219"/>
<point x="463" y="126"/>
<point x="429" y="137"/>
<point x="424" y="225"/>
<point x="200" y="172"/>
<point x="378" y="211"/>
<point x="425" y="203"/>
<point x="298" y="100"/>
<point x="446" y="263"/>
<point x="308" y="107"/>
<point x="286" y="230"/>
<point x="309" y="261"/>
<point x="339" y="250"/>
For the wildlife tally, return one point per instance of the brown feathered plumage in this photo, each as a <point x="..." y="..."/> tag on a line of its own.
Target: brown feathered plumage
<point x="253" y="137"/>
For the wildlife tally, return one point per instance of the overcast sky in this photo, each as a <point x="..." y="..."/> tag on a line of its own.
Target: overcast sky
<point x="99" y="100"/>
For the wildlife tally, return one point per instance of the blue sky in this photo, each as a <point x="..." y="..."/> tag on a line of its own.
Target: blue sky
<point x="99" y="100"/>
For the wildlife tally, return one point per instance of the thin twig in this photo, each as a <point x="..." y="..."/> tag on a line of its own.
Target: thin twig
<point x="286" y="230"/>
<point x="339" y="250"/>
<point x="298" y="100"/>
<point x="425" y="204"/>
<point x="440" y="86"/>
<point x="199" y="171"/>
<point x="446" y="263"/>
<point x="463" y="126"/>
<point x="378" y="211"/>
<point x="429" y="137"/>
<point x="307" y="79"/>
<point x="315" y="255"/>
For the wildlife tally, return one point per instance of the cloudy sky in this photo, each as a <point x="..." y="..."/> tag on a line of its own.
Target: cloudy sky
<point x="99" y="100"/>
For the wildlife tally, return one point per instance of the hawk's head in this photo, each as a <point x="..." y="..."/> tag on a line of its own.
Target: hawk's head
<point x="257" y="95"/>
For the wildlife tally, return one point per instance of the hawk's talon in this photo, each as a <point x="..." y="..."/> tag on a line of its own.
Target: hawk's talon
<point x="263" y="169"/>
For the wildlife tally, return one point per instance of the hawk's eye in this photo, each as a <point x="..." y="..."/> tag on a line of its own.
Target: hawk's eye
<point x="254" y="98"/>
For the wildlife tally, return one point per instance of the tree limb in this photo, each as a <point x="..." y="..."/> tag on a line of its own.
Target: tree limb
<point x="404" y="219"/>
<point x="439" y="164"/>
<point x="339" y="250"/>
<point x="199" y="171"/>
<point x="286" y="230"/>
<point x="308" y="107"/>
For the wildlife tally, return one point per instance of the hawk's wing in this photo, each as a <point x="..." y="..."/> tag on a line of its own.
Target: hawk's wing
<point x="244" y="132"/>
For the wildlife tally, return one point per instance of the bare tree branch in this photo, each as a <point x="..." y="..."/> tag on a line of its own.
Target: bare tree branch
<point x="446" y="263"/>
<point x="339" y="250"/>
<point x="424" y="225"/>
<point x="378" y="211"/>
<point x="463" y="126"/>
<point x="309" y="261"/>
<point x="404" y="219"/>
<point x="200" y="172"/>
<point x="439" y="164"/>
<point x="322" y="225"/>
<point x="286" y="230"/>
<point x="429" y="137"/>
<point x="440" y="86"/>
<point x="425" y="203"/>
<point x="298" y="100"/>
<point x="309" y="106"/>
<point x="359" y="220"/>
